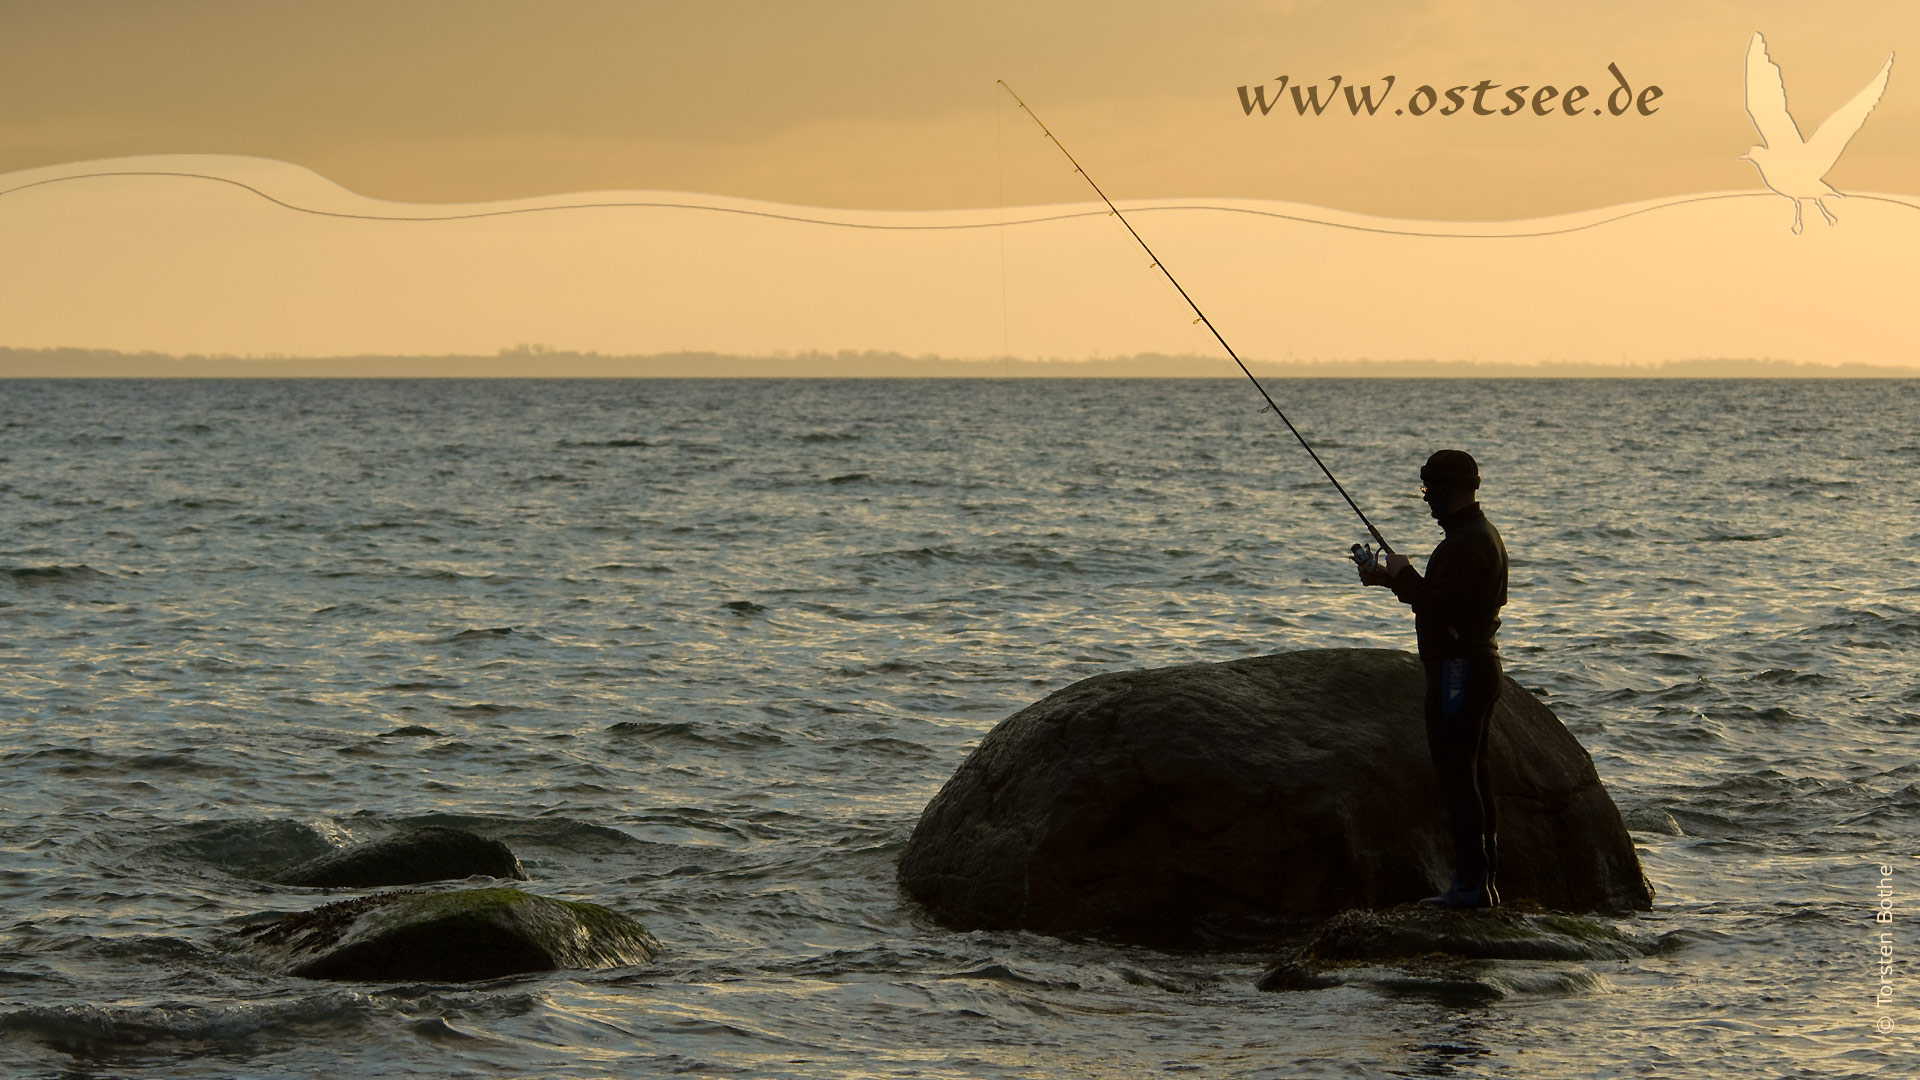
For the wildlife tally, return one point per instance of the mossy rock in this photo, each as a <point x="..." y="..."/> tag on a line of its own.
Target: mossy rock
<point x="1500" y="934"/>
<point x="1431" y="944"/>
<point x="458" y="936"/>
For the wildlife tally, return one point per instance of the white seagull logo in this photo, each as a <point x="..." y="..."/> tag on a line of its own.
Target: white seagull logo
<point x="1788" y="164"/>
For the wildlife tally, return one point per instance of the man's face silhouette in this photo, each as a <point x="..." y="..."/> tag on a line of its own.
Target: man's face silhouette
<point x="1441" y="500"/>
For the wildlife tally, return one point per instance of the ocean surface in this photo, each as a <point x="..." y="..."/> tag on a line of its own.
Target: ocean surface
<point x="702" y="650"/>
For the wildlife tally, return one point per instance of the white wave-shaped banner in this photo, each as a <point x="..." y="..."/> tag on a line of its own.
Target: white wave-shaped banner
<point x="247" y="256"/>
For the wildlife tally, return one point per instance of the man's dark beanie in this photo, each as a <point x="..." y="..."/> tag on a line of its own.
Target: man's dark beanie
<point x="1451" y="468"/>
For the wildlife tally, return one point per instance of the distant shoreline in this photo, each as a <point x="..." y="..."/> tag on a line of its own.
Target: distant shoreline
<point x="539" y="363"/>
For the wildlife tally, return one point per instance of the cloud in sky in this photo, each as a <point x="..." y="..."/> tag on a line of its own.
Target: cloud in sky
<point x="883" y="105"/>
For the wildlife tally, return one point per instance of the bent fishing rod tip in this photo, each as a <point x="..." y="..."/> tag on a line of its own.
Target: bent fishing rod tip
<point x="1114" y="211"/>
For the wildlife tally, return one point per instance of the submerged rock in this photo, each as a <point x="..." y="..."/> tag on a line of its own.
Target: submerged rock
<point x="432" y="853"/>
<point x="1204" y="804"/>
<point x="457" y="936"/>
<point x="1651" y="819"/>
<point x="253" y="849"/>
<point x="1426" y="945"/>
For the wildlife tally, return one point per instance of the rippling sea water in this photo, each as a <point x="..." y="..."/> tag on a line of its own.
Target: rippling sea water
<point x="701" y="650"/>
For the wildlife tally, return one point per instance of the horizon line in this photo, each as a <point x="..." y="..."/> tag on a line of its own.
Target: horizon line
<point x="73" y="362"/>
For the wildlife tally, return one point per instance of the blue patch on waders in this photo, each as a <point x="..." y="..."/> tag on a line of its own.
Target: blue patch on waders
<point x="1453" y="687"/>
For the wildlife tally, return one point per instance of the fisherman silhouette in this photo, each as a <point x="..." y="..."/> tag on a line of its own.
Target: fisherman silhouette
<point x="1790" y="165"/>
<point x="1456" y="607"/>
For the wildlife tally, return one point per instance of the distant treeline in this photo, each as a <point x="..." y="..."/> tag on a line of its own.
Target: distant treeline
<point x="538" y="362"/>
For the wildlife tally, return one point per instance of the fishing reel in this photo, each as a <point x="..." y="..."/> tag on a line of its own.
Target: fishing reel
<point x="1367" y="558"/>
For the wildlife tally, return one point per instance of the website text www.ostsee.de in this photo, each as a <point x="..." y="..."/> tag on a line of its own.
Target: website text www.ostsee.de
<point x="1482" y="98"/>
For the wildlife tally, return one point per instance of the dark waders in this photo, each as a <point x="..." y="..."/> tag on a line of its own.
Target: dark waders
<point x="1460" y="699"/>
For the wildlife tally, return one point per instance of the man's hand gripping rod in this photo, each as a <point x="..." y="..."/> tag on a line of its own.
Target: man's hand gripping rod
<point x="1365" y="557"/>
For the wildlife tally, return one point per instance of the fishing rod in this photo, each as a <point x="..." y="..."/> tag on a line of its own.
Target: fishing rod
<point x="1365" y="560"/>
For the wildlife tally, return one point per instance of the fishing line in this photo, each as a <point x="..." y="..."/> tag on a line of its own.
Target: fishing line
<point x="1000" y="159"/>
<point x="1384" y="546"/>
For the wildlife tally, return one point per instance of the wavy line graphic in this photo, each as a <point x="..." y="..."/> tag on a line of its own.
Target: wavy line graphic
<point x="910" y="227"/>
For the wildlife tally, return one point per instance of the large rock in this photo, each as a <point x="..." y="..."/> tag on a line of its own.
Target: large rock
<point x="456" y="936"/>
<point x="1204" y="804"/>
<point x="433" y="853"/>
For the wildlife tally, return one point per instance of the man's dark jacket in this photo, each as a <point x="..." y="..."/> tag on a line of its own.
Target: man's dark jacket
<point x="1456" y="606"/>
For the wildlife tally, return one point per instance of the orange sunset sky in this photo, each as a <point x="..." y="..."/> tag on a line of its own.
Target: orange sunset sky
<point x="855" y="108"/>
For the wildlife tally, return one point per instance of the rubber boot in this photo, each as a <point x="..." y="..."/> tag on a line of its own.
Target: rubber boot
<point x="1493" y="870"/>
<point x="1460" y="896"/>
